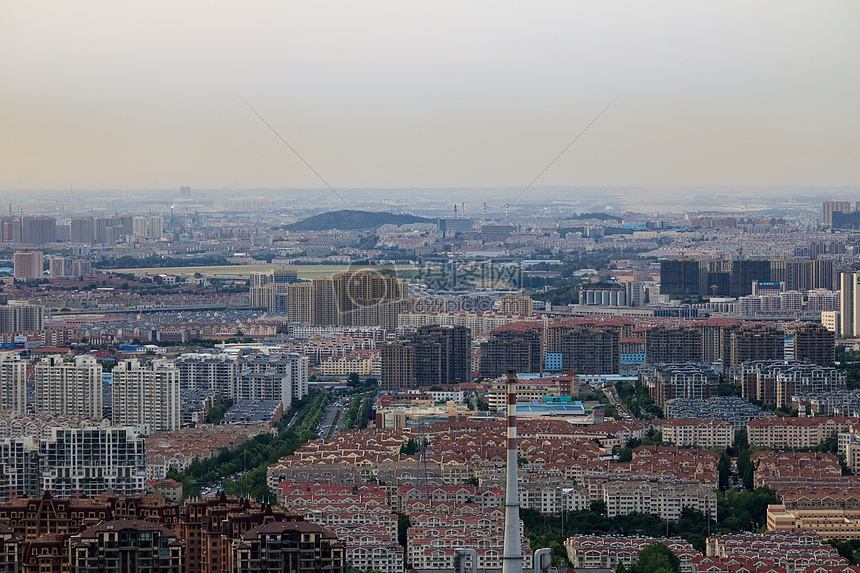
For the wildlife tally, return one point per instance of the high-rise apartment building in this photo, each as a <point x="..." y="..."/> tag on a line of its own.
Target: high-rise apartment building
<point x="38" y="230"/>
<point x="59" y="267"/>
<point x="83" y="230"/>
<point x="830" y="207"/>
<point x="19" y="316"/>
<point x="511" y="304"/>
<point x="82" y="268"/>
<point x="745" y="343"/>
<point x="365" y="298"/>
<point x="587" y="350"/>
<point x="155" y="227"/>
<point x="442" y="355"/>
<point x="665" y="345"/>
<point x="515" y="346"/>
<point x="360" y="298"/>
<point x="69" y="388"/>
<point x="19" y="469"/>
<point x="10" y="229"/>
<point x="146" y="395"/>
<point x="215" y="373"/>
<point x="398" y="367"/>
<point x="89" y="461"/>
<point x="679" y="277"/>
<point x="814" y="342"/>
<point x="139" y="226"/>
<point x="28" y="265"/>
<point x="301" y="301"/>
<point x="13" y="383"/>
<point x="849" y="305"/>
<point x="292" y="368"/>
<point x="744" y="272"/>
<point x="803" y="275"/>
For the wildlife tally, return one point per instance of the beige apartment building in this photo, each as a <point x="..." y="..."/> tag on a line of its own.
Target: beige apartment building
<point x="828" y="523"/>
<point x="695" y="432"/>
<point x="795" y="432"/>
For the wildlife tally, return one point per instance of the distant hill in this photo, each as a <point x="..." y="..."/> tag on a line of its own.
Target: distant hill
<point x="601" y="216"/>
<point x="353" y="220"/>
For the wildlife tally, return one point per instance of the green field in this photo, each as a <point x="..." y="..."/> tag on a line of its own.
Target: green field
<point x="244" y="271"/>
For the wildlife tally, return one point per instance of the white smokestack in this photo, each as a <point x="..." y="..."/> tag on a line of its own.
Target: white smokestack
<point x="512" y="558"/>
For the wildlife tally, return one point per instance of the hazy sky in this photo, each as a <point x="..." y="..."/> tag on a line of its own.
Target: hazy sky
<point x="134" y="95"/>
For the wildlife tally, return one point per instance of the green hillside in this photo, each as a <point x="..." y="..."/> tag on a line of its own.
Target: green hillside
<point x="353" y="220"/>
<point x="601" y="216"/>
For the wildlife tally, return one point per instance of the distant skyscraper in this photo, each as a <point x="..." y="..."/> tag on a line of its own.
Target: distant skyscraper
<point x="156" y="227"/>
<point x="185" y="192"/>
<point x="139" y="226"/>
<point x="830" y="207"/>
<point x="10" y="226"/>
<point x="60" y="267"/>
<point x="83" y="230"/>
<point x="28" y="265"/>
<point x="38" y="230"/>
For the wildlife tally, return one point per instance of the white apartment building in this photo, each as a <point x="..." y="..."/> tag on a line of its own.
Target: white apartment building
<point x="13" y="383"/>
<point x="88" y="461"/>
<point x="19" y="468"/>
<point x="269" y="385"/>
<point x="293" y="366"/>
<point x="69" y="388"/>
<point x="146" y="395"/>
<point x="662" y="499"/>
<point x="214" y="372"/>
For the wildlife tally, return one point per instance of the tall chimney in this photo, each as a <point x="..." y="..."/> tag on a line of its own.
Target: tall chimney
<point x="512" y="558"/>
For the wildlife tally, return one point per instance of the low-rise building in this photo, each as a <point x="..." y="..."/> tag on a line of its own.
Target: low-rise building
<point x="694" y="432"/>
<point x="127" y="545"/>
<point x="667" y="382"/>
<point x="734" y="409"/>
<point x="287" y="546"/>
<point x="606" y="553"/>
<point x="795" y="432"/>
<point x="828" y="523"/>
<point x="662" y="499"/>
